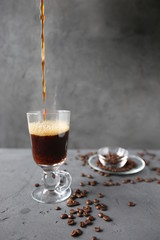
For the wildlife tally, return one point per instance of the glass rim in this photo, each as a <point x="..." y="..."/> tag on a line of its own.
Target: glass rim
<point x="48" y="113"/>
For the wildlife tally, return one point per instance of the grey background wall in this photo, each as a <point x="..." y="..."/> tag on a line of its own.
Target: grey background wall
<point x="103" y="63"/>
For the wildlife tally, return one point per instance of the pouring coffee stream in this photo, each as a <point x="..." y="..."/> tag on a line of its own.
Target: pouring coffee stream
<point x="42" y="18"/>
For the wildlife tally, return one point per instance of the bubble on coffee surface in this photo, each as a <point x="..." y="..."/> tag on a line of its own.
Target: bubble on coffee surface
<point x="48" y="128"/>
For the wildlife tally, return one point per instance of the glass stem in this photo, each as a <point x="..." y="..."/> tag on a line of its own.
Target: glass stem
<point x="51" y="180"/>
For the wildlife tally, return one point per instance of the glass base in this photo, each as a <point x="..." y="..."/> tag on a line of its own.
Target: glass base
<point x="44" y="195"/>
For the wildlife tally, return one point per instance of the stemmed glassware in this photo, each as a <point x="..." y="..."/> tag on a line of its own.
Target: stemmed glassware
<point x="49" y="140"/>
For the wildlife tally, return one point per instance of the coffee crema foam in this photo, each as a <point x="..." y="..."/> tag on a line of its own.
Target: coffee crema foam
<point x="48" y="128"/>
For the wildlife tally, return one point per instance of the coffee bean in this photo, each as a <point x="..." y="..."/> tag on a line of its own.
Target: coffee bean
<point x="107" y="218"/>
<point x="88" y="222"/>
<point x="57" y="208"/>
<point x="89" y="202"/>
<point x="158" y="181"/>
<point x="37" y="185"/>
<point x="82" y="184"/>
<point x="103" y="207"/>
<point x="97" y="229"/>
<point x="89" y="176"/>
<point x="84" y="191"/>
<point x="105" y="184"/>
<point x="93" y="183"/>
<point x="100" y="214"/>
<point x="81" y="211"/>
<point x="77" y="191"/>
<point x="148" y="180"/>
<point x="73" y="211"/>
<point x="101" y="173"/>
<point x="94" y="238"/>
<point x="83" y="175"/>
<point x="91" y="218"/>
<point x="79" y="232"/>
<point x="89" y="183"/>
<point x="139" y="179"/>
<point x="107" y="175"/>
<point x="132" y="182"/>
<point x="124" y="181"/>
<point x="87" y="209"/>
<point x="100" y="195"/>
<point x="71" y="222"/>
<point x="131" y="204"/>
<point x="95" y="201"/>
<point x="70" y="216"/>
<point x="71" y="202"/>
<point x="98" y="207"/>
<point x="86" y="214"/>
<point x="117" y="184"/>
<point x="64" y="216"/>
<point x="82" y="224"/>
<point x="79" y="214"/>
<point x="74" y="233"/>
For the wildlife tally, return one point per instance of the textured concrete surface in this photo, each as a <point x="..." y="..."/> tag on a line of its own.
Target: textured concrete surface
<point x="102" y="59"/>
<point x="21" y="218"/>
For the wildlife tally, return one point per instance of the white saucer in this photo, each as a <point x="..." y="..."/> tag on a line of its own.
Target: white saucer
<point x="140" y="165"/>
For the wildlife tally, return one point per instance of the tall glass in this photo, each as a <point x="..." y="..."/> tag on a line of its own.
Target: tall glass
<point x="49" y="140"/>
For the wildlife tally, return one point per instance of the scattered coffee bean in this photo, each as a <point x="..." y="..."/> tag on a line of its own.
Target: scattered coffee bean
<point x="117" y="184"/>
<point x="86" y="214"/>
<point x="64" y="216"/>
<point x="107" y="175"/>
<point x="83" y="175"/>
<point x="131" y="204"/>
<point x="70" y="216"/>
<point x="73" y="211"/>
<point x="89" y="176"/>
<point x="95" y="201"/>
<point x="100" y="195"/>
<point x="57" y="208"/>
<point x="103" y="207"/>
<point x="124" y="181"/>
<point x="158" y="181"/>
<point x="132" y="182"/>
<point x="71" y="222"/>
<point x="79" y="214"/>
<point x="101" y="173"/>
<point x="87" y="209"/>
<point x="82" y="184"/>
<point x="107" y="218"/>
<point x="89" y="202"/>
<point x="94" y="238"/>
<point x="105" y="184"/>
<point x="100" y="214"/>
<point x="93" y="183"/>
<point x="37" y="185"/>
<point x="79" y="231"/>
<point x="97" y="229"/>
<point x="74" y="233"/>
<point x="89" y="183"/>
<point x="82" y="224"/>
<point x="154" y="169"/>
<point x="139" y="179"/>
<point x="88" y="222"/>
<point x="91" y="218"/>
<point x="148" y="180"/>
<point x="81" y="211"/>
<point x="98" y="207"/>
<point x="71" y="202"/>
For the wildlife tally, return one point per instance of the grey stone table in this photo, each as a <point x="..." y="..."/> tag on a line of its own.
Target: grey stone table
<point x="21" y="218"/>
